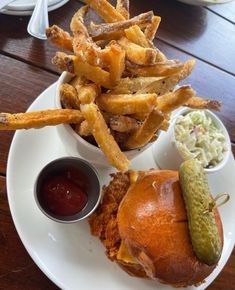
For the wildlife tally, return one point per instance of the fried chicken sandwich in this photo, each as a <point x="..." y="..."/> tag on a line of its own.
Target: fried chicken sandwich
<point x="142" y="222"/>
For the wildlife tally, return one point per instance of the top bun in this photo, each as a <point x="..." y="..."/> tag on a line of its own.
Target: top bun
<point x="152" y="222"/>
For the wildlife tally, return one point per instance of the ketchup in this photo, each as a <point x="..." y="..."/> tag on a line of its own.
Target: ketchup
<point x="64" y="193"/>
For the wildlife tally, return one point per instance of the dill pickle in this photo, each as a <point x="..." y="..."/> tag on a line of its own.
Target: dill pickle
<point x="202" y="223"/>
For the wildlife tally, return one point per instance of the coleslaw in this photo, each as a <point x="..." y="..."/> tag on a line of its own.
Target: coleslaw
<point x="197" y="136"/>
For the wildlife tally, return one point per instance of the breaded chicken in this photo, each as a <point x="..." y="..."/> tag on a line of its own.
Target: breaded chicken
<point x="103" y="222"/>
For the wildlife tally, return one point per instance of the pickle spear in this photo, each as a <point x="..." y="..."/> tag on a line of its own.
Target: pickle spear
<point x="203" y="228"/>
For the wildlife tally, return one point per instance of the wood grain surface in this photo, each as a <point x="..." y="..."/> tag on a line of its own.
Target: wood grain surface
<point x="225" y="10"/>
<point x="204" y="33"/>
<point x="21" y="84"/>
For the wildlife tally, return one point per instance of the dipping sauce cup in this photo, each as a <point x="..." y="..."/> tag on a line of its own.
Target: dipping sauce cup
<point x="67" y="189"/>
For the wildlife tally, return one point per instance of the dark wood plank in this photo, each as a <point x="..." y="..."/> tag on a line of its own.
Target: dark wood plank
<point x="226" y="10"/>
<point x="22" y="273"/>
<point x="17" y="269"/>
<point x="194" y="30"/>
<point x="20" y="84"/>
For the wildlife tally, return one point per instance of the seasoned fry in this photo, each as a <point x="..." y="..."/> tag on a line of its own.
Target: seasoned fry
<point x="187" y="69"/>
<point x="200" y="103"/>
<point x="109" y="36"/>
<point x="146" y="131"/>
<point x="69" y="97"/>
<point x="83" y="129"/>
<point x="168" y="103"/>
<point x="105" y="10"/>
<point x="165" y="125"/>
<point x="77" y="82"/>
<point x="165" y="85"/>
<point x="59" y="60"/>
<point x="138" y="54"/>
<point x="133" y="85"/>
<point x="81" y="13"/>
<point x="103" y="138"/>
<point x="59" y="37"/>
<point x="77" y="66"/>
<point x="159" y="69"/>
<point x="77" y="23"/>
<point x="123" y="123"/>
<point x="114" y="57"/>
<point x="106" y="28"/>
<point x="135" y="35"/>
<point x="39" y="119"/>
<point x="88" y="93"/>
<point x="82" y="42"/>
<point x="140" y="116"/>
<point x="123" y="8"/>
<point x="127" y="104"/>
<point x="152" y="28"/>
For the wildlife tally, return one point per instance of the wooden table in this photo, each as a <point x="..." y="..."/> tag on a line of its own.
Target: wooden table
<point x="206" y="34"/>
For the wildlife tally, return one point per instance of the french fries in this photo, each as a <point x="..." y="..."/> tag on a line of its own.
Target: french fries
<point x="145" y="133"/>
<point x="97" y="30"/>
<point x="152" y="28"/>
<point x="115" y="59"/>
<point x="59" y="37"/>
<point x="135" y="35"/>
<point x="69" y="97"/>
<point x="76" y="65"/>
<point x="138" y="54"/>
<point x="88" y="93"/>
<point x="83" y="129"/>
<point x="127" y="104"/>
<point x="77" y="82"/>
<point x="81" y="40"/>
<point x="123" y="123"/>
<point x="123" y="8"/>
<point x="200" y="103"/>
<point x="133" y="85"/>
<point x="105" y="10"/>
<point x="122" y="92"/>
<point x="39" y="119"/>
<point x="103" y="138"/>
<point x="163" y="86"/>
<point x="159" y="69"/>
<point x="172" y="101"/>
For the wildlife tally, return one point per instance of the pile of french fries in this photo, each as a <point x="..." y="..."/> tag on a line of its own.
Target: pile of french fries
<point x="122" y="91"/>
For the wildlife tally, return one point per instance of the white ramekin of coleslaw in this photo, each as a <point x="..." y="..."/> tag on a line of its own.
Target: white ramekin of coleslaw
<point x="197" y="134"/>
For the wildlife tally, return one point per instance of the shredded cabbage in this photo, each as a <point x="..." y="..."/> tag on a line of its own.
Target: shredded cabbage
<point x="198" y="137"/>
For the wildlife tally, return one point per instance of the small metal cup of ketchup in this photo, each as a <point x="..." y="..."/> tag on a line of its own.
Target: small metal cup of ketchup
<point x="67" y="189"/>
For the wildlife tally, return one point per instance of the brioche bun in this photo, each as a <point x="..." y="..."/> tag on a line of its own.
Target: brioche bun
<point x="152" y="223"/>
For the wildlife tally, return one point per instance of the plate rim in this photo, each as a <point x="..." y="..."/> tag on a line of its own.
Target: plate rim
<point x="29" y="12"/>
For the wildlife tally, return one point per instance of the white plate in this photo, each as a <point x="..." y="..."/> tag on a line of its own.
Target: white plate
<point x="68" y="254"/>
<point x="27" y="4"/>
<point x="29" y="12"/>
